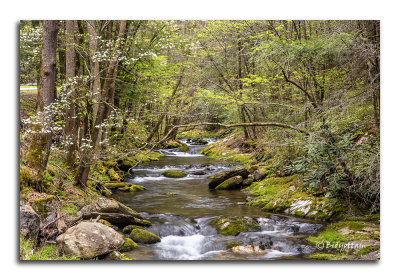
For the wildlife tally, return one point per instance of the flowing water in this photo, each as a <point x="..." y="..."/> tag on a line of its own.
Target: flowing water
<point x="181" y="209"/>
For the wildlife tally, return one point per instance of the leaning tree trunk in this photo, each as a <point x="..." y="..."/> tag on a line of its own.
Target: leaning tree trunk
<point x="39" y="149"/>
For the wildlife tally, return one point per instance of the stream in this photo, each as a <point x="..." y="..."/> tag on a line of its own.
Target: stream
<point x="181" y="208"/>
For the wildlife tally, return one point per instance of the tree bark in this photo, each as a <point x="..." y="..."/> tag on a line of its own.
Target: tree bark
<point x="70" y="123"/>
<point x="39" y="150"/>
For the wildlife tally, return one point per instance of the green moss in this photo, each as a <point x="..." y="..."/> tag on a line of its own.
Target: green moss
<point x="184" y="148"/>
<point x="136" y="188"/>
<point x="116" y="185"/>
<point x="114" y="176"/>
<point x="327" y="236"/>
<point x="330" y="257"/>
<point x="142" y="236"/>
<point x="231" y="183"/>
<point x="174" y="173"/>
<point x="107" y="223"/>
<point x="110" y="163"/>
<point x="28" y="250"/>
<point x="128" y="229"/>
<point x="71" y="209"/>
<point x="128" y="245"/>
<point x="234" y="226"/>
<point x="148" y="156"/>
<point x="367" y="250"/>
<point x="26" y="177"/>
<point x="232" y="244"/>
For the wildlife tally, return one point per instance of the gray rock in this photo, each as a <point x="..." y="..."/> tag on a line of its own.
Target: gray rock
<point x="114" y="256"/>
<point x="88" y="240"/>
<point x="112" y="211"/>
<point x="260" y="173"/>
<point x="222" y="176"/>
<point x="29" y="222"/>
<point x="248" y="181"/>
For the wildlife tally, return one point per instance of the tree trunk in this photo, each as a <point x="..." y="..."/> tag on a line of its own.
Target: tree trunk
<point x="90" y="156"/>
<point x="70" y="122"/>
<point x="39" y="150"/>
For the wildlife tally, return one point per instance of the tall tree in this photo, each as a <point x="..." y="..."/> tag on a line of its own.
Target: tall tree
<point x="41" y="141"/>
<point x="70" y="123"/>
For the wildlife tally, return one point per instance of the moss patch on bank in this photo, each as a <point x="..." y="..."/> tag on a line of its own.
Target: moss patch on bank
<point x="285" y="194"/>
<point x="348" y="239"/>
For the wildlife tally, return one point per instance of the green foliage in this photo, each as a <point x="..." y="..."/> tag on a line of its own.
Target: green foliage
<point x="30" y="251"/>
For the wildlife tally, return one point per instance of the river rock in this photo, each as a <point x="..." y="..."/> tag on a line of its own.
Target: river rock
<point x="248" y="181"/>
<point x="199" y="141"/>
<point x="143" y="236"/>
<point x="29" y="222"/>
<point x="247" y="249"/>
<point x="128" y="245"/>
<point x="114" y="212"/>
<point x="260" y="174"/>
<point x="234" y="225"/>
<point x="114" y="256"/>
<point x="231" y="183"/>
<point x="88" y="240"/>
<point x="172" y="173"/>
<point x="222" y="176"/>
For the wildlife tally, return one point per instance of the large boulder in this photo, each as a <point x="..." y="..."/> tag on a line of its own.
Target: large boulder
<point x="231" y="183"/>
<point x="222" y="176"/>
<point x="234" y="226"/>
<point x="114" y="212"/>
<point x="29" y="222"/>
<point x="143" y="236"/>
<point x="88" y="240"/>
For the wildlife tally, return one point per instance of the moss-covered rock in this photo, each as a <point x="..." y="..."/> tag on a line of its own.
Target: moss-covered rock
<point x="232" y="244"/>
<point x="234" y="226"/>
<point x="231" y="183"/>
<point x="283" y="194"/>
<point x="350" y="239"/>
<point x="184" y="148"/>
<point x="229" y="148"/>
<point x="114" y="176"/>
<point x="128" y="229"/>
<point x="107" y="223"/>
<point x="143" y="236"/>
<point x="128" y="245"/>
<point x="219" y="178"/>
<point x="116" y="185"/>
<point x="172" y="173"/>
<point x="44" y="205"/>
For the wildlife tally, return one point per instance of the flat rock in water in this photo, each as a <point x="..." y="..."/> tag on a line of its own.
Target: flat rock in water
<point x="88" y="240"/>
